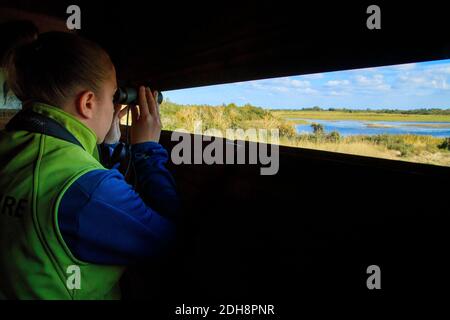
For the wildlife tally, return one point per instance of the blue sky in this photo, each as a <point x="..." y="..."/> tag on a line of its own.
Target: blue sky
<point x="406" y="86"/>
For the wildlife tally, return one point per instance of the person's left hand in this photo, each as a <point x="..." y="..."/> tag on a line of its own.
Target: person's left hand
<point x="113" y="135"/>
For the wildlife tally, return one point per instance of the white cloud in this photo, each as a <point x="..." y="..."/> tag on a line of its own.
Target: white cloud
<point x="405" y="67"/>
<point x="300" y="83"/>
<point x="282" y="85"/>
<point x="416" y="80"/>
<point x="288" y="82"/>
<point x="336" y="93"/>
<point x="262" y="86"/>
<point x="370" y="81"/>
<point x="313" y="76"/>
<point x="279" y="89"/>
<point x="444" y="69"/>
<point x="428" y="79"/>
<point x="376" y="82"/>
<point x="335" y="83"/>
<point x="370" y="69"/>
<point x="406" y="81"/>
<point x="308" y="91"/>
<point x="440" y="84"/>
<point x="256" y="85"/>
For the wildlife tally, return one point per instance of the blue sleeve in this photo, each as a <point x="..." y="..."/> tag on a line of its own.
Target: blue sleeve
<point x="104" y="220"/>
<point x="154" y="181"/>
<point x="110" y="148"/>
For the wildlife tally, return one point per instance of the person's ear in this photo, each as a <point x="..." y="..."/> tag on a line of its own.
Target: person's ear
<point x="86" y="104"/>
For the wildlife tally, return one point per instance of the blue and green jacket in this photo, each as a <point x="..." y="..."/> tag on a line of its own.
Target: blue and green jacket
<point x="104" y="220"/>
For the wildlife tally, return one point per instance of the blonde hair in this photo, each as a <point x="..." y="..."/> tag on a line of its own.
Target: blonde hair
<point x="55" y="65"/>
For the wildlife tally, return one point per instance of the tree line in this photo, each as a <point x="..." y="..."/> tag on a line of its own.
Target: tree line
<point x="427" y="111"/>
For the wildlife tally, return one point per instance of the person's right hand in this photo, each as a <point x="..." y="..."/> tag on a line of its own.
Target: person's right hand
<point x="146" y="124"/>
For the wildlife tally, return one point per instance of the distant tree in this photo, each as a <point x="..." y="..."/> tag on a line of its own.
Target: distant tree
<point x="445" y="144"/>
<point x="317" y="128"/>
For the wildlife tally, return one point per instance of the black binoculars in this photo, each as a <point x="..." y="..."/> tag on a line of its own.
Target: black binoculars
<point x="129" y="95"/>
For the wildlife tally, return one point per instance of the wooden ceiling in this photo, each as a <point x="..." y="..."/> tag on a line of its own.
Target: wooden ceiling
<point x="171" y="46"/>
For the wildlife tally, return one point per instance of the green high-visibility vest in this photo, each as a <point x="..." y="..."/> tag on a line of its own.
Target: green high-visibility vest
<point x="35" y="172"/>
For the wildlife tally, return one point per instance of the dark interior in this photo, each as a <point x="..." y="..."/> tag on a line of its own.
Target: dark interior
<point x="311" y="230"/>
<point x="195" y="43"/>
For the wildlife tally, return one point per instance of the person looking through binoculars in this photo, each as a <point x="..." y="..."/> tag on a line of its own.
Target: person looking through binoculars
<point x="59" y="205"/>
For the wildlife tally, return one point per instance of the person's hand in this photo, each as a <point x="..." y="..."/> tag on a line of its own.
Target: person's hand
<point x="113" y="135"/>
<point x="146" y="124"/>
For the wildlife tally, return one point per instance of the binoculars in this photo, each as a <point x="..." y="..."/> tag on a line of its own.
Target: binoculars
<point x="129" y="95"/>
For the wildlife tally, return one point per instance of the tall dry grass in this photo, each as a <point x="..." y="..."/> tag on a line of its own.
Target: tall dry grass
<point x="414" y="148"/>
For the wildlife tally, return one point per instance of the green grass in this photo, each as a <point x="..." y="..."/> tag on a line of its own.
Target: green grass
<point x="363" y="116"/>
<point x="175" y="117"/>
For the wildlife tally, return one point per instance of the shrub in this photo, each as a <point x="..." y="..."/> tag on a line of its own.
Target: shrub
<point x="445" y="144"/>
<point x="393" y="142"/>
<point x="317" y="128"/>
<point x="333" y="136"/>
